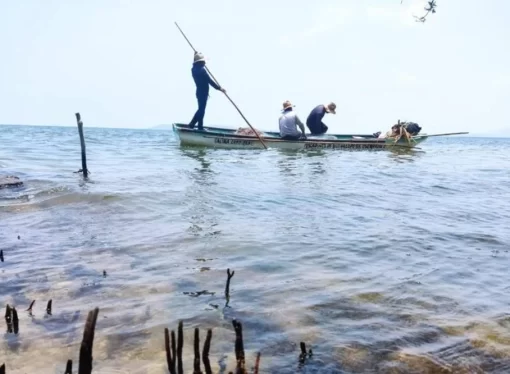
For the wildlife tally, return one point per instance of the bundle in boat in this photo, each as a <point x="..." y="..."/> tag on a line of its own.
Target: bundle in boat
<point x="400" y="129"/>
<point x="248" y="132"/>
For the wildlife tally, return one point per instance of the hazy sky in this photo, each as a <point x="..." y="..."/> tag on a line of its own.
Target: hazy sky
<point x="124" y="64"/>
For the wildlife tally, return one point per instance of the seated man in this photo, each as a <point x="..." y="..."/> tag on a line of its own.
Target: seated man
<point x="289" y="122"/>
<point x="314" y="120"/>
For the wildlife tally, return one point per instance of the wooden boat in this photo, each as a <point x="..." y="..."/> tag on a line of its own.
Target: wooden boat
<point x="227" y="138"/>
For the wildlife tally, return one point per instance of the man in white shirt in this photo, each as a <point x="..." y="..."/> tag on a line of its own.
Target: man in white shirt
<point x="289" y="123"/>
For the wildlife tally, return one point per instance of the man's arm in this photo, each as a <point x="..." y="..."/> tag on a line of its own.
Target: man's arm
<point x="300" y="124"/>
<point x="212" y="82"/>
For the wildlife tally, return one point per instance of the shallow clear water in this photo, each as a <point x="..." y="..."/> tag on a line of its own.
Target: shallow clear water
<point x="381" y="262"/>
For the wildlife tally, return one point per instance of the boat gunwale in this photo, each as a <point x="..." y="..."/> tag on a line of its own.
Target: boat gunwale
<point x="183" y="127"/>
<point x="381" y="142"/>
<point x="208" y="134"/>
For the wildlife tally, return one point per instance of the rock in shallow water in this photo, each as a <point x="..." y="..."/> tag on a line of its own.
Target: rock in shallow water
<point x="10" y="181"/>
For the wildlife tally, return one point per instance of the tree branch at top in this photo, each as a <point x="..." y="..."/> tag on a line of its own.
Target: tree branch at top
<point x="430" y="8"/>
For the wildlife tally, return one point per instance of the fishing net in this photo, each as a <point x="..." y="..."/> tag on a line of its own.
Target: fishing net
<point x="248" y="132"/>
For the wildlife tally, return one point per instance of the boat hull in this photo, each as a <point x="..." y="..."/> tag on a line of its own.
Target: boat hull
<point x="227" y="139"/>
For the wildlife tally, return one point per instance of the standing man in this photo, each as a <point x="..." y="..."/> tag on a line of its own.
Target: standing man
<point x="314" y="120"/>
<point x="289" y="122"/>
<point x="202" y="81"/>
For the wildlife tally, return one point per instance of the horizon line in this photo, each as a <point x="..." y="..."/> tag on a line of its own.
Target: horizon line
<point x="155" y="127"/>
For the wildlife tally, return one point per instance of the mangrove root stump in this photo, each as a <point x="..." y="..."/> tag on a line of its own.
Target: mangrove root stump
<point x="87" y="343"/>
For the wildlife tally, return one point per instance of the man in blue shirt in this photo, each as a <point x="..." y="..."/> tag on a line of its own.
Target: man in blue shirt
<point x="202" y="81"/>
<point x="314" y="120"/>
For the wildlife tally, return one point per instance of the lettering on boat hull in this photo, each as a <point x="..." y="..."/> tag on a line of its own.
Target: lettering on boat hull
<point x="342" y="145"/>
<point x="233" y="141"/>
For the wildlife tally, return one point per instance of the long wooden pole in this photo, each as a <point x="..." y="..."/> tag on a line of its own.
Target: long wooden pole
<point x="228" y="97"/>
<point x="445" y="134"/>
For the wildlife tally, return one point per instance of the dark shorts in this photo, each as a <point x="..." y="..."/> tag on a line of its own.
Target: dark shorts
<point x="317" y="129"/>
<point x="291" y="137"/>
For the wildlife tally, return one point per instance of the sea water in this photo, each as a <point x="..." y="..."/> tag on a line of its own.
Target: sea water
<point x="379" y="261"/>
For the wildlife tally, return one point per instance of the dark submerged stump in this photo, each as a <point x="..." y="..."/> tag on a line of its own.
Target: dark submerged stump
<point x="257" y="364"/>
<point x="15" y="320"/>
<point x="69" y="367"/>
<point x="170" y="353"/>
<point x="180" y="342"/>
<point x="205" y="352"/>
<point x="29" y="310"/>
<point x="196" y="347"/>
<point x="8" y="318"/>
<point x="87" y="344"/>
<point x="10" y="181"/>
<point x="48" y="307"/>
<point x="304" y="355"/>
<point x="227" y="286"/>
<point x="239" y="346"/>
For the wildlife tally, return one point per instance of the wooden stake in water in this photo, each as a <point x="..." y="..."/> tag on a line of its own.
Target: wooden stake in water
<point x="84" y="169"/>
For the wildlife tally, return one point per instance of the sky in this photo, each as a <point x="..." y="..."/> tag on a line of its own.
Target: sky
<point x="123" y="63"/>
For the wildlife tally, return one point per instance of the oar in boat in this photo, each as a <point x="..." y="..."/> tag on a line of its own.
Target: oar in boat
<point x="445" y="134"/>
<point x="228" y="97"/>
